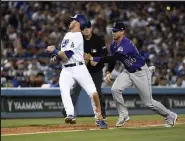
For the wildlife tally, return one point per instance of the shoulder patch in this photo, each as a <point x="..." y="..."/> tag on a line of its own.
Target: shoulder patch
<point x="120" y="49"/>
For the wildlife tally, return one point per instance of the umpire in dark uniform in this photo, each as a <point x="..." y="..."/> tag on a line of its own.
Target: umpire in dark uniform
<point x="95" y="46"/>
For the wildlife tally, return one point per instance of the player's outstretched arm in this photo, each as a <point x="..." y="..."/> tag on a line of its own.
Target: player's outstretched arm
<point x="96" y="60"/>
<point x="111" y="60"/>
<point x="106" y="59"/>
<point x="64" y="55"/>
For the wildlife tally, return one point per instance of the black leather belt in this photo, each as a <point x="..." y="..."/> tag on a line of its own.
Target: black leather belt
<point x="139" y="69"/>
<point x="73" y="64"/>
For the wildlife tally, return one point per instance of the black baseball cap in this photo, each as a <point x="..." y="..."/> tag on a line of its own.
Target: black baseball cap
<point x="88" y="25"/>
<point x="118" y="26"/>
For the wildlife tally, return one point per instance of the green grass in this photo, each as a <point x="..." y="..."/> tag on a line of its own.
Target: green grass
<point x="120" y="134"/>
<point x="143" y="134"/>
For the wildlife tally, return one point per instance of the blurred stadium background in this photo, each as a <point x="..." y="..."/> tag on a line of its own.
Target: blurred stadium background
<point x="27" y="28"/>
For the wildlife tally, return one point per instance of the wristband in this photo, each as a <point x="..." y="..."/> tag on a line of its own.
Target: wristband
<point x="55" y="51"/>
<point x="96" y="59"/>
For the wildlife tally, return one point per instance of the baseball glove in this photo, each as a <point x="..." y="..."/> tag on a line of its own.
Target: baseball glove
<point x="53" y="58"/>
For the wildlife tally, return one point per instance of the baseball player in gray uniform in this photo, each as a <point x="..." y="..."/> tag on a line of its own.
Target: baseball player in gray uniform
<point x="136" y="73"/>
<point x="74" y="69"/>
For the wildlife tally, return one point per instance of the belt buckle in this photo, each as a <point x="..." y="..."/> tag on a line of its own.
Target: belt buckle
<point x="79" y="63"/>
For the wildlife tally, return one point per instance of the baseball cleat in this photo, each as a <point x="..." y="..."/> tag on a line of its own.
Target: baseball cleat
<point x="101" y="124"/>
<point x="122" y="121"/>
<point x="171" y="119"/>
<point x="97" y="123"/>
<point x="70" y="119"/>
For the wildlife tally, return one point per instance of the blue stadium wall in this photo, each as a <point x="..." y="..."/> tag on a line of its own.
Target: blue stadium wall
<point x="39" y="102"/>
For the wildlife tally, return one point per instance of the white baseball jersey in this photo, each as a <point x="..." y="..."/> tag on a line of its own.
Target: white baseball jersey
<point x="73" y="41"/>
<point x="69" y="75"/>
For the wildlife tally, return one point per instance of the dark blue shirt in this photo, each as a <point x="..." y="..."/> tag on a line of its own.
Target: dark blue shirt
<point x="131" y="59"/>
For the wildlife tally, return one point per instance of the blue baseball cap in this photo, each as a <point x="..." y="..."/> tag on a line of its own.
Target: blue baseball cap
<point x="81" y="19"/>
<point x="118" y="26"/>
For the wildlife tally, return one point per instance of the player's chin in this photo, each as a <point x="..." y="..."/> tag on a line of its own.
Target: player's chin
<point x="114" y="37"/>
<point x="70" y="26"/>
<point x="85" y="33"/>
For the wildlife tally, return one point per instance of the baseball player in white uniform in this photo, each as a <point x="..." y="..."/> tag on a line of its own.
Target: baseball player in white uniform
<point x="74" y="69"/>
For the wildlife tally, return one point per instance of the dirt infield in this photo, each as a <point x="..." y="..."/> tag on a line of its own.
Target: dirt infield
<point x="32" y="129"/>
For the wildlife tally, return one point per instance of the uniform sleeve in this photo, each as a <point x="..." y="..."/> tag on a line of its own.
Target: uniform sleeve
<point x="112" y="63"/>
<point x="111" y="49"/>
<point x="111" y="66"/>
<point x="111" y="60"/>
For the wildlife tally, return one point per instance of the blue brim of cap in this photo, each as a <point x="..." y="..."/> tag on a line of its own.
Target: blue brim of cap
<point x="114" y="29"/>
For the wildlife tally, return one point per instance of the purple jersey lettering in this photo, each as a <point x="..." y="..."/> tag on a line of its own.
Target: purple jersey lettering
<point x="131" y="59"/>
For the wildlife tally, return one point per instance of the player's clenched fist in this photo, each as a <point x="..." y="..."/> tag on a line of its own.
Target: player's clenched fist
<point x="50" y="48"/>
<point x="87" y="57"/>
<point x="93" y="63"/>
